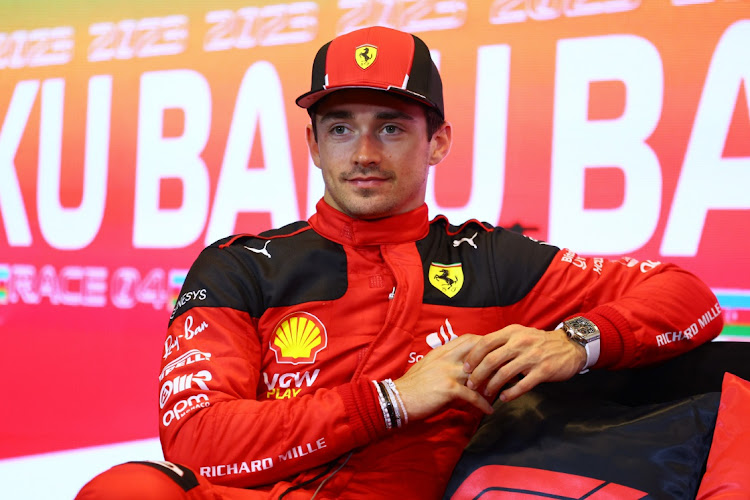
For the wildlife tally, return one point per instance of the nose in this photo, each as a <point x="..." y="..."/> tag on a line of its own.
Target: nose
<point x="367" y="151"/>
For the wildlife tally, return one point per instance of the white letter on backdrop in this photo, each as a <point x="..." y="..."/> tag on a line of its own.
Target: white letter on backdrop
<point x="707" y="180"/>
<point x="73" y="228"/>
<point x="315" y="186"/>
<point x="11" y="201"/>
<point x="490" y="139"/>
<point x="579" y="143"/>
<point x="268" y="189"/>
<point x="160" y="157"/>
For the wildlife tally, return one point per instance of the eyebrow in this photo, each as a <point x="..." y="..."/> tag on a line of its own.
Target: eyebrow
<point x="382" y="115"/>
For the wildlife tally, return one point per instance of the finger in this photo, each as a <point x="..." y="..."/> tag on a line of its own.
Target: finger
<point x="487" y="344"/>
<point x="499" y="365"/>
<point x="475" y="399"/>
<point x="465" y="340"/>
<point x="459" y="347"/>
<point x="523" y="386"/>
<point x="454" y="351"/>
<point x="500" y="377"/>
<point x="508" y="373"/>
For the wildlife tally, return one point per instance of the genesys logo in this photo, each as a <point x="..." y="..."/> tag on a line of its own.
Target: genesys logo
<point x="190" y="330"/>
<point x="298" y="338"/>
<point x="183" y="383"/>
<point x="288" y="385"/>
<point x="183" y="407"/>
<point x="188" y="297"/>
<point x="190" y="357"/>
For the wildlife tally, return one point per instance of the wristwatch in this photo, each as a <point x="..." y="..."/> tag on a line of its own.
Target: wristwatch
<point x="586" y="333"/>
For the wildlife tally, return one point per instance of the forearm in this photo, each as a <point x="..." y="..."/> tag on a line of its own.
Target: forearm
<point x="216" y="418"/>
<point x="243" y="442"/>
<point x="646" y="311"/>
<point x="670" y="313"/>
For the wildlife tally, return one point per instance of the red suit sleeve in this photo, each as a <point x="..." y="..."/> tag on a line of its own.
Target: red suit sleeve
<point x="646" y="311"/>
<point x="210" y="418"/>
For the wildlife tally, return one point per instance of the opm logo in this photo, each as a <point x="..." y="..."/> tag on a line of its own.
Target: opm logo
<point x="183" y="407"/>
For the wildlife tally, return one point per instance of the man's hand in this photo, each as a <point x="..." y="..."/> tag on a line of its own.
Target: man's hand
<point x="439" y="378"/>
<point x="540" y="356"/>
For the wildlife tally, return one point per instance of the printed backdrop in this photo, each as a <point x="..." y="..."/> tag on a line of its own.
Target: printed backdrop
<point x="135" y="134"/>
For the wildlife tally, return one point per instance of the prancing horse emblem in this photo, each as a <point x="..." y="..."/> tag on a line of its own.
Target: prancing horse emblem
<point x="448" y="278"/>
<point x="365" y="55"/>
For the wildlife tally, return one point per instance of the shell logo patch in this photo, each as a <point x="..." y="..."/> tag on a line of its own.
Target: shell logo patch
<point x="298" y="338"/>
<point x="448" y="278"/>
<point x="365" y="55"/>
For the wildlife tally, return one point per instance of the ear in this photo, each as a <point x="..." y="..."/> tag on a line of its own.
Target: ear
<point x="440" y="144"/>
<point x="312" y="145"/>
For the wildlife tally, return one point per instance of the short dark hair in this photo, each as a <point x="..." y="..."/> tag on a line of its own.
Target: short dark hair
<point x="432" y="116"/>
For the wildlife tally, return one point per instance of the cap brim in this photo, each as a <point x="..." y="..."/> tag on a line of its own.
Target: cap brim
<point x="309" y="99"/>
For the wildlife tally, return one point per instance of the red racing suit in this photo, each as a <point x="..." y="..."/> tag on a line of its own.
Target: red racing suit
<point x="266" y="379"/>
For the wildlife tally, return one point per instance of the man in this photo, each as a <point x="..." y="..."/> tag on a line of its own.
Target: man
<point x="353" y="355"/>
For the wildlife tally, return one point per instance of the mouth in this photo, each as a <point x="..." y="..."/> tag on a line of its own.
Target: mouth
<point x="367" y="181"/>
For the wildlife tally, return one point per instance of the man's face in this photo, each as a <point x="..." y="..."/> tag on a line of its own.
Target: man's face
<point x="373" y="150"/>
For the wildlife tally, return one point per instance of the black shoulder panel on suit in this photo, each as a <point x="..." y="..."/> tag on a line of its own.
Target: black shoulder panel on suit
<point x="281" y="267"/>
<point x="495" y="267"/>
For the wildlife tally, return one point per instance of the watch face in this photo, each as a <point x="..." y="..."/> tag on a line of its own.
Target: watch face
<point x="582" y="329"/>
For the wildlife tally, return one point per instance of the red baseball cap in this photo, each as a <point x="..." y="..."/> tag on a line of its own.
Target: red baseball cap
<point x="377" y="58"/>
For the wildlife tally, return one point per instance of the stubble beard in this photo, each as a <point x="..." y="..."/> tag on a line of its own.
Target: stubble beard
<point x="364" y="204"/>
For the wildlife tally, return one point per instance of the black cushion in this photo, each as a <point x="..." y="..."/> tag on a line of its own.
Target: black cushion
<point x="648" y="429"/>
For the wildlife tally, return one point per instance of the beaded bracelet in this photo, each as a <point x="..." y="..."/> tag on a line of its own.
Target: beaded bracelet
<point x="392" y="386"/>
<point x="391" y="404"/>
<point x="381" y="398"/>
<point x="392" y="410"/>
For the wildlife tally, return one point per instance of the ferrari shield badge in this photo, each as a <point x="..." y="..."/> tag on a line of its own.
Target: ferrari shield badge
<point x="448" y="278"/>
<point x="365" y="55"/>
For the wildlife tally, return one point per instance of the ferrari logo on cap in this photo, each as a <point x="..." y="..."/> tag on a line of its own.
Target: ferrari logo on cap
<point x="365" y="55"/>
<point x="448" y="278"/>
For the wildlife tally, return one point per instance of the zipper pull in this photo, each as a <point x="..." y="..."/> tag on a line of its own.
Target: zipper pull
<point x="392" y="294"/>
